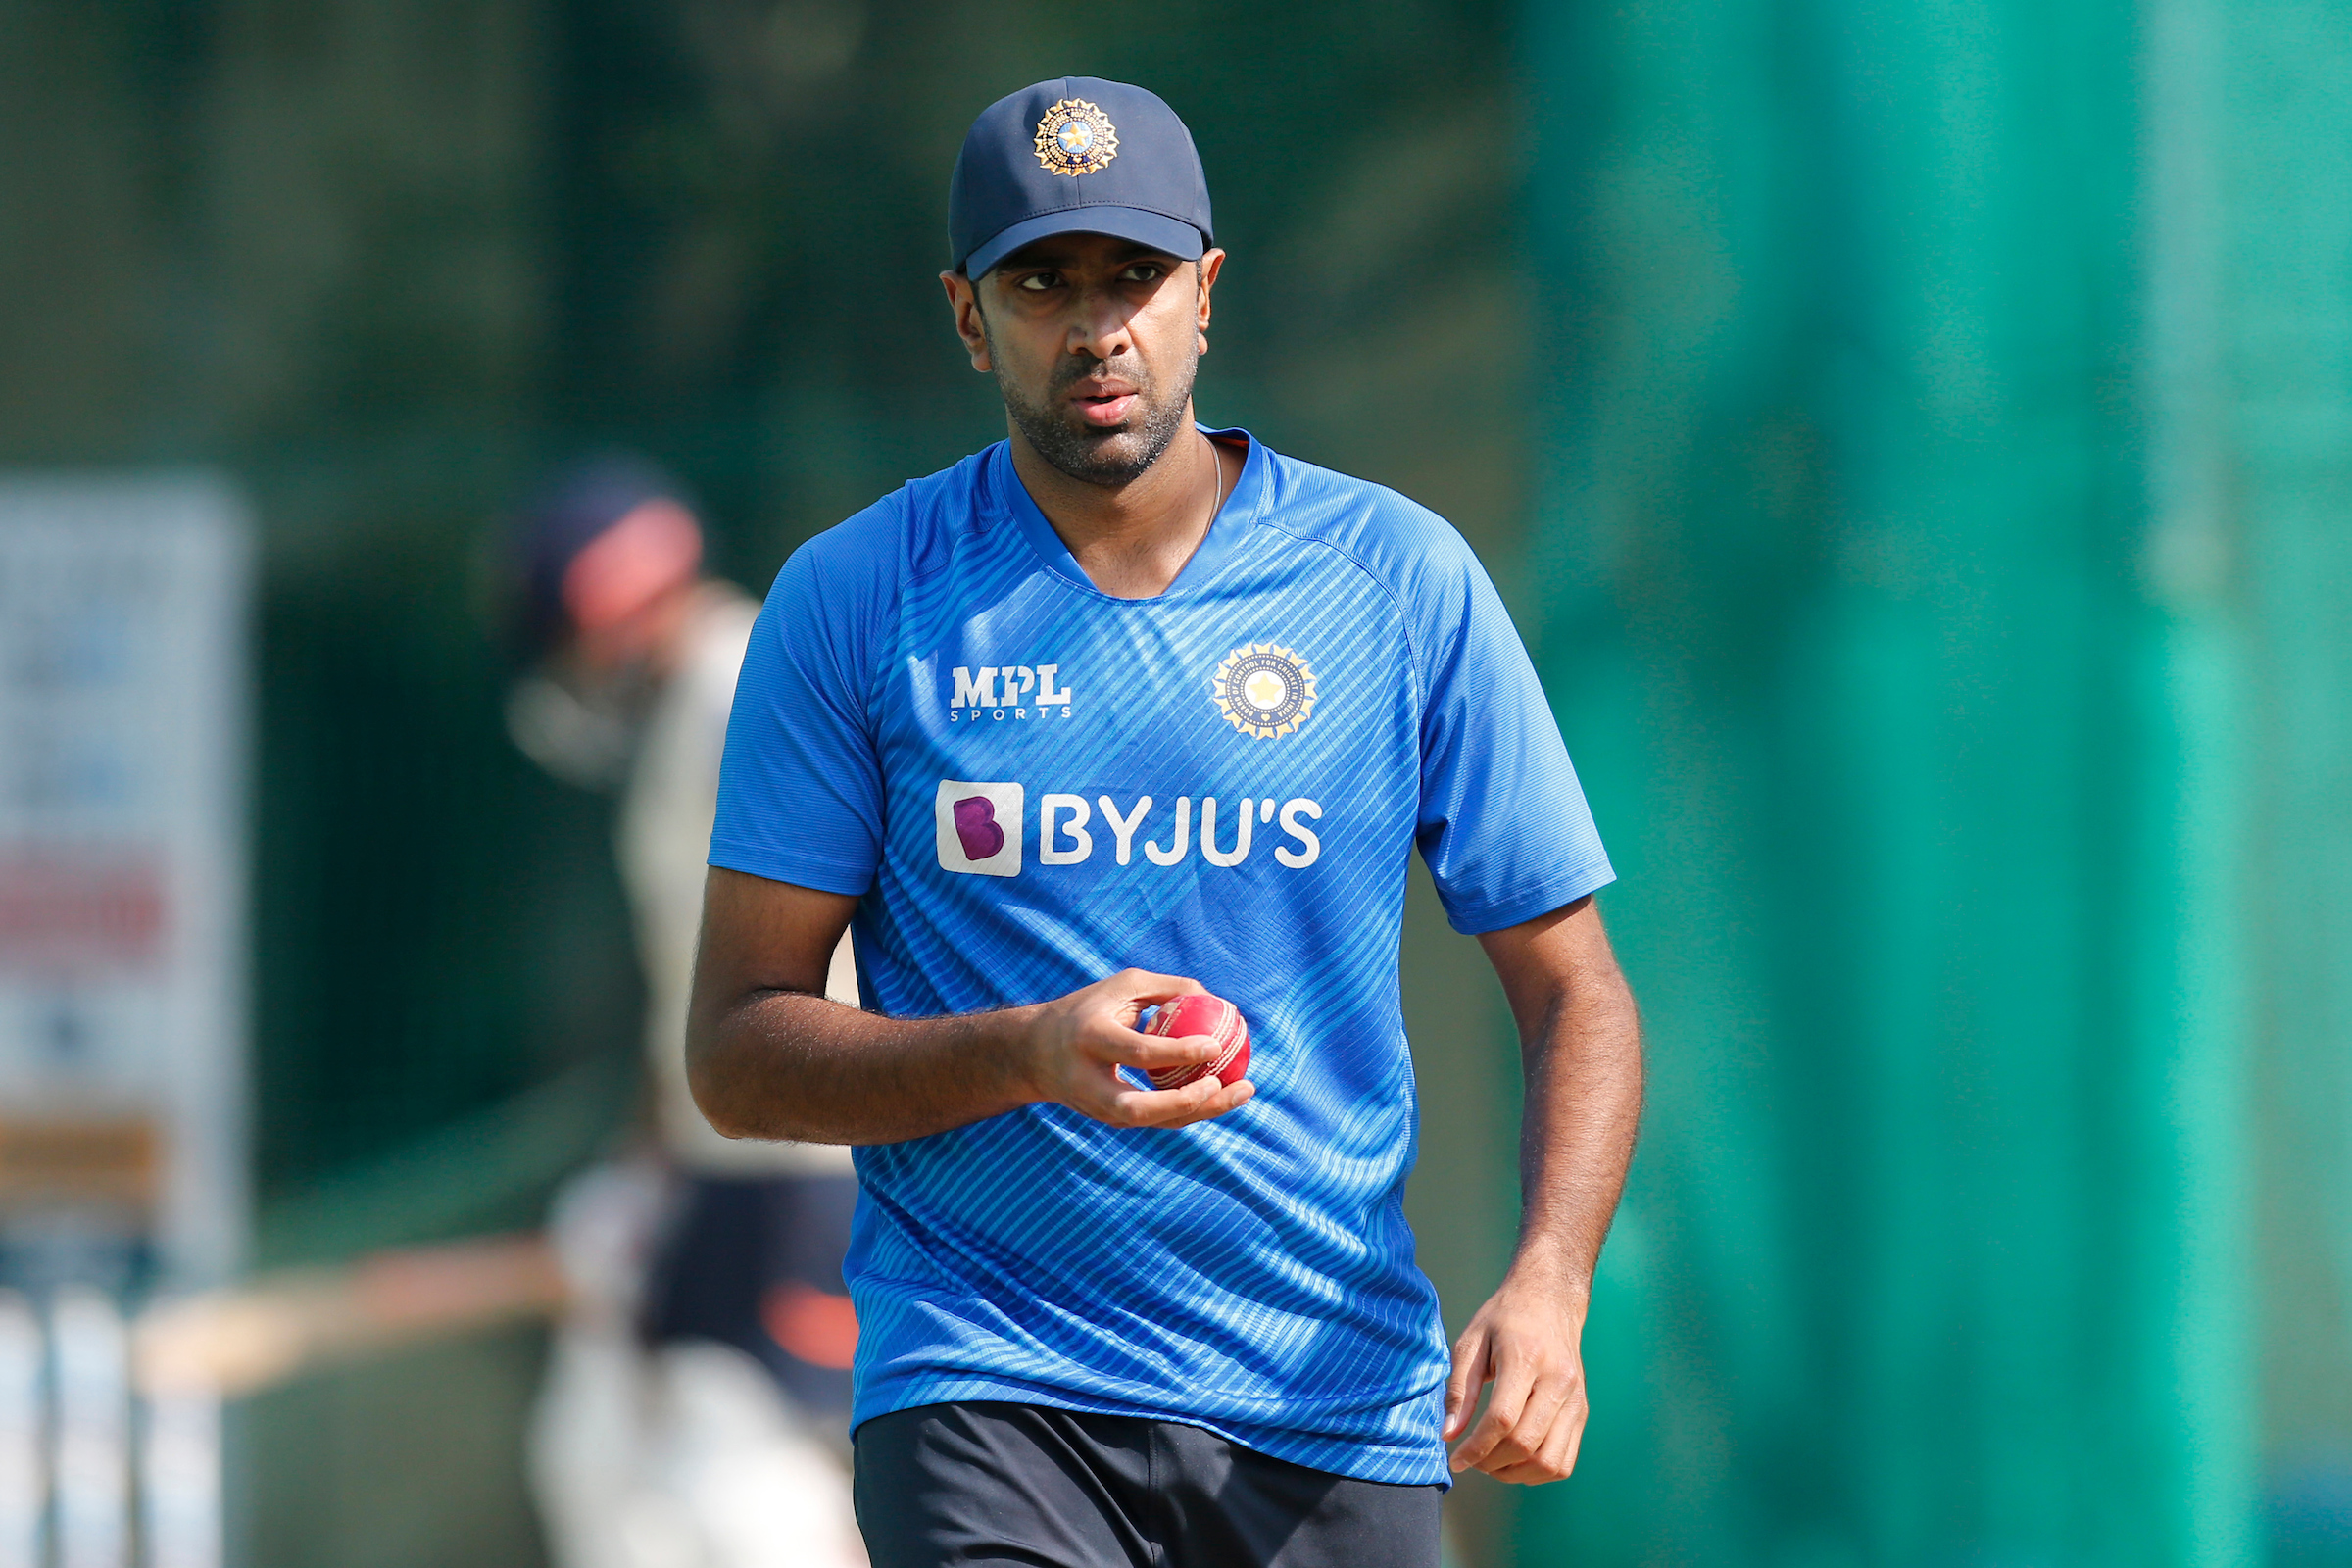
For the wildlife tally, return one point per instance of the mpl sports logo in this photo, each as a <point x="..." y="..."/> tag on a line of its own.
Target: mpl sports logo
<point x="981" y="829"/>
<point x="1012" y="692"/>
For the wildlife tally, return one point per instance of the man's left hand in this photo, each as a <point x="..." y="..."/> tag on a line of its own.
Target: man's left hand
<point x="1525" y="1340"/>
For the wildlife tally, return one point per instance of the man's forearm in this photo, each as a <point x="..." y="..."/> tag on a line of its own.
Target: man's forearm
<point x="768" y="1056"/>
<point x="787" y="1065"/>
<point x="1582" y="1041"/>
<point x="1583" y="1108"/>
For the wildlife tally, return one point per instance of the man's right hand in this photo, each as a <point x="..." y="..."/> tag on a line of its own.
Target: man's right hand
<point x="1081" y="1040"/>
<point x="768" y="1056"/>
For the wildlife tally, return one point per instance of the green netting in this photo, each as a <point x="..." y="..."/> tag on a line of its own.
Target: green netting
<point x="1924" y="776"/>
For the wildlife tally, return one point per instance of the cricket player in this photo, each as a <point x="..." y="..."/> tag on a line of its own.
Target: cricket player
<point x="698" y="1379"/>
<point x="1120" y="708"/>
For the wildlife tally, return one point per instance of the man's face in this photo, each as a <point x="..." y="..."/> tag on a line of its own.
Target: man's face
<point x="1093" y="342"/>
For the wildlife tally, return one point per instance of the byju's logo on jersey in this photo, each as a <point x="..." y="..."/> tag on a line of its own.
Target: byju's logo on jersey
<point x="1264" y="690"/>
<point x="979" y="828"/>
<point x="1011" y="692"/>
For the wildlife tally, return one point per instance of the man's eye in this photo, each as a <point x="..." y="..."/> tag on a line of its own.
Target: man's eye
<point x="1146" y="272"/>
<point x="1038" y="282"/>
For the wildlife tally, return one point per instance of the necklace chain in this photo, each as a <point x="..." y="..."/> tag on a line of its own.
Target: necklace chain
<point x="1216" y="467"/>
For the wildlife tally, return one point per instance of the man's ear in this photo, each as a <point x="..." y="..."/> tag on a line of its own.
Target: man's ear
<point x="963" y="298"/>
<point x="1205" y="272"/>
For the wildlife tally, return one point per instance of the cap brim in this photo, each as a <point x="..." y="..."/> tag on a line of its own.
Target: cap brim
<point x="1162" y="233"/>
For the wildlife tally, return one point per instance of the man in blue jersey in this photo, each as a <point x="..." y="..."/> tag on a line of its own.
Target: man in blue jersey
<point x="1119" y="709"/>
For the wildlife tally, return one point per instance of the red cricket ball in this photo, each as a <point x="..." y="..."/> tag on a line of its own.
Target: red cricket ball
<point x="1204" y="1014"/>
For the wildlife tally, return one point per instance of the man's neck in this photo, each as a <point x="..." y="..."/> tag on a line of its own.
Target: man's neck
<point x="1132" y="541"/>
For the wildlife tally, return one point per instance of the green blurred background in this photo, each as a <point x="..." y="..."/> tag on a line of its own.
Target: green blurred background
<point x="1916" y="440"/>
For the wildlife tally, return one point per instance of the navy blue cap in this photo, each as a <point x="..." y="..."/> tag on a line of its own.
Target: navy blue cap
<point x="1076" y="155"/>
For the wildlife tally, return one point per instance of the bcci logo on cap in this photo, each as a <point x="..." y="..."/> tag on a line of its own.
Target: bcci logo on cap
<point x="1076" y="138"/>
<point x="1264" y="691"/>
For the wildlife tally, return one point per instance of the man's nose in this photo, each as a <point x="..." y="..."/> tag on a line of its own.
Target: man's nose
<point x="1101" y="326"/>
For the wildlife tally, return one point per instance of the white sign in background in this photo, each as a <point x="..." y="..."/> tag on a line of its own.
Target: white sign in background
<point x="123" y="696"/>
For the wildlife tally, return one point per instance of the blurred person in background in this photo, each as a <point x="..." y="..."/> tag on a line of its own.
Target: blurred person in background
<point x="696" y="1402"/>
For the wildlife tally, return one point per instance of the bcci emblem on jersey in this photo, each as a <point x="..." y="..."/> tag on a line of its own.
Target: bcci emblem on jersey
<point x="1076" y="138"/>
<point x="1264" y="690"/>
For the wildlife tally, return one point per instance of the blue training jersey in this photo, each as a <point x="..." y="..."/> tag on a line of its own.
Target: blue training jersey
<point x="1030" y="785"/>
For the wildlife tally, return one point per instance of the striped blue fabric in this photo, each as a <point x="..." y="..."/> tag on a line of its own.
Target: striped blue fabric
<point x="1031" y="784"/>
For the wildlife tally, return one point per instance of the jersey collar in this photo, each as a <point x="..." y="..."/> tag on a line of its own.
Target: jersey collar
<point x="1232" y="524"/>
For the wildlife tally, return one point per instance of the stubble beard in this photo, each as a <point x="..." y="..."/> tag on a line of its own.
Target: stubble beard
<point x="1113" y="458"/>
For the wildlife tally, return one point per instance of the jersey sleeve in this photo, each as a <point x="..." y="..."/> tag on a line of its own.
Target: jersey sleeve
<point x="800" y="788"/>
<point x="1503" y="824"/>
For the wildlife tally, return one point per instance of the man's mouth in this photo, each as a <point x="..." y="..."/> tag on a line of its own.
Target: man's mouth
<point x="1104" y="410"/>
